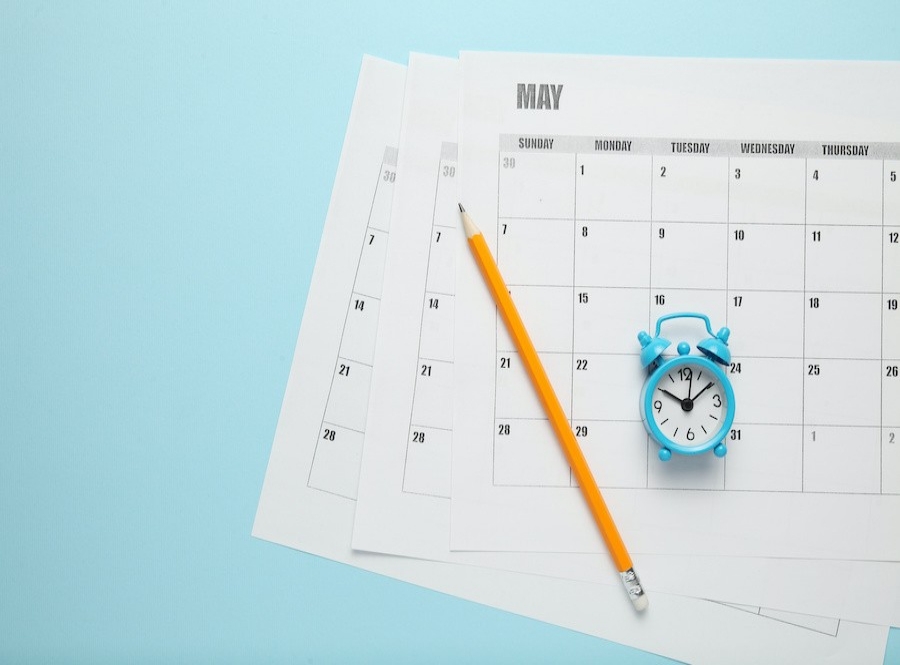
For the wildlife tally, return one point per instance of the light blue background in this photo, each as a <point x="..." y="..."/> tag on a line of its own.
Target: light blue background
<point x="165" y="170"/>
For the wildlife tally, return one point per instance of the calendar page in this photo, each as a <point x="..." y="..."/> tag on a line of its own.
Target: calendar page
<point x="306" y="501"/>
<point x="615" y="191"/>
<point x="403" y="504"/>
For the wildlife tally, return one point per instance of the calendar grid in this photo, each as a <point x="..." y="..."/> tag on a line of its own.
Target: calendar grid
<point x="335" y="462"/>
<point x="426" y="463"/>
<point x="571" y="409"/>
<point x="805" y="362"/>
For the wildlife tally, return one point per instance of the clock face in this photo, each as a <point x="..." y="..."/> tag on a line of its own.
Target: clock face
<point x="689" y="403"/>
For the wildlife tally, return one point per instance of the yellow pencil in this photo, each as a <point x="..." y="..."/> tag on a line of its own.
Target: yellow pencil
<point x="554" y="411"/>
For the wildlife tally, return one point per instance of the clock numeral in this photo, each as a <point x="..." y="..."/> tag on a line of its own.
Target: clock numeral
<point x="813" y="369"/>
<point x="657" y="405"/>
<point x="685" y="374"/>
<point x="717" y="401"/>
<point x="735" y="435"/>
<point x="689" y="435"/>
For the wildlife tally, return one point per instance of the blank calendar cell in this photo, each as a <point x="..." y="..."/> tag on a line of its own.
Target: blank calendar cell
<point x="765" y="257"/>
<point x="537" y="185"/>
<point x="433" y="399"/>
<point x="890" y="393"/>
<point x="768" y="391"/>
<point x="360" y="329"/>
<point x="515" y="396"/>
<point x="380" y="216"/>
<point x="348" y="400"/>
<point x="535" y="251"/>
<point x="427" y="469"/>
<point x="890" y="270"/>
<point x="606" y="387"/>
<point x="890" y="461"/>
<point x="842" y="392"/>
<point x="765" y="458"/>
<point x="442" y="261"/>
<point x="335" y="465"/>
<point x="891" y="177"/>
<point x="436" y="340"/>
<point x="613" y="187"/>
<point x="547" y="314"/>
<point x="767" y="191"/>
<point x="842" y="459"/>
<point x="526" y="453"/>
<point x="607" y="320"/>
<point x="843" y="325"/>
<point x="615" y="451"/>
<point x="700" y="472"/>
<point x="890" y="322"/>
<point x="690" y="189"/>
<point x="843" y="191"/>
<point x="370" y="273"/>
<point x="612" y="253"/>
<point x="766" y="323"/>
<point x="843" y="258"/>
<point x="688" y="256"/>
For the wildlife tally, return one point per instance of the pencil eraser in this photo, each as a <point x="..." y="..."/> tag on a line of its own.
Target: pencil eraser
<point x="640" y="602"/>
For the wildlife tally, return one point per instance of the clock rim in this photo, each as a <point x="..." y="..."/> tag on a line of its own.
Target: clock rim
<point x="646" y="404"/>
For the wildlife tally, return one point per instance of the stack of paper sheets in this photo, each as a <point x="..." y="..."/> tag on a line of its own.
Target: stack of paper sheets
<point x="611" y="191"/>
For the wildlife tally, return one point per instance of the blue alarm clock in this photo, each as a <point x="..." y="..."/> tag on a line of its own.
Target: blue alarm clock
<point x="687" y="402"/>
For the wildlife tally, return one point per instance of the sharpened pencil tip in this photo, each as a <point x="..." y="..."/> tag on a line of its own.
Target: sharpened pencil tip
<point x="461" y="209"/>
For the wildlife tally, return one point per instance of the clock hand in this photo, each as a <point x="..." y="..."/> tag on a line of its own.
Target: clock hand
<point x="675" y="397"/>
<point x="708" y="385"/>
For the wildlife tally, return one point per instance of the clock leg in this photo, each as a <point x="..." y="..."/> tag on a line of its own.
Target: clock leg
<point x="720" y="450"/>
<point x="665" y="454"/>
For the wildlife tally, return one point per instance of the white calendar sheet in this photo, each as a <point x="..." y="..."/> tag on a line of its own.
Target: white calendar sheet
<point x="763" y="194"/>
<point x="306" y="501"/>
<point x="403" y="505"/>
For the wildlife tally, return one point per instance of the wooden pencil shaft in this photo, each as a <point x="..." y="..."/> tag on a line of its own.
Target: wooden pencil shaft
<point x="550" y="402"/>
